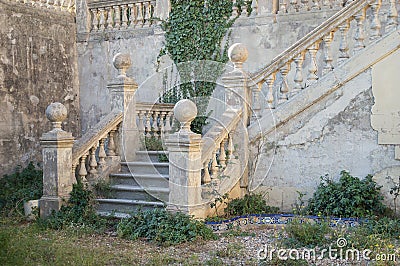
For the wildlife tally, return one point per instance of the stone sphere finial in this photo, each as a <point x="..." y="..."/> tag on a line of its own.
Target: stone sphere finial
<point x="238" y="54"/>
<point x="122" y="62"/>
<point x="185" y="111"/>
<point x="56" y="113"/>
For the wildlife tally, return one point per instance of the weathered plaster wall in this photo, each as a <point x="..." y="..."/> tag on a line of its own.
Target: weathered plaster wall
<point x="262" y="35"/>
<point x="37" y="66"/>
<point x="331" y="136"/>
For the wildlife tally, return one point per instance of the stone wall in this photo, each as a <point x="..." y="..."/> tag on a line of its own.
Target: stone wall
<point x="331" y="136"/>
<point x="38" y="65"/>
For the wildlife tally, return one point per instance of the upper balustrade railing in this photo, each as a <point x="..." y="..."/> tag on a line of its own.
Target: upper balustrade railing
<point x="132" y="14"/>
<point x="348" y="31"/>
<point x="61" y="5"/>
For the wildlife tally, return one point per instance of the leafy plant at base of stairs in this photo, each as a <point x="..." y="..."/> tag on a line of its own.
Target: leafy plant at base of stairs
<point x="163" y="227"/>
<point x="153" y="144"/>
<point x="79" y="211"/>
<point x="23" y="185"/>
<point x="348" y="197"/>
<point x="249" y="204"/>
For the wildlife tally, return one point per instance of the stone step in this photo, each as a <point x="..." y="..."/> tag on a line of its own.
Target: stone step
<point x="152" y="156"/>
<point x="140" y="193"/>
<point x="152" y="168"/>
<point x="126" y="205"/>
<point x="143" y="180"/>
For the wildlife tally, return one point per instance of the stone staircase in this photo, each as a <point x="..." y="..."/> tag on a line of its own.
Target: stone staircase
<point x="141" y="184"/>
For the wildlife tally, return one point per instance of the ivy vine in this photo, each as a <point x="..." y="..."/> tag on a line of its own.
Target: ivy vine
<point x="197" y="31"/>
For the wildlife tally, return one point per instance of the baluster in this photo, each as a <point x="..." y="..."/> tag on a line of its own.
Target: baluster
<point x="148" y="125"/>
<point x="139" y="17"/>
<point x="82" y="169"/>
<point x="74" y="171"/>
<point x="109" y="18"/>
<point x="141" y="124"/>
<point x="283" y="8"/>
<point x="230" y="147"/>
<point x="244" y="10"/>
<point x="117" y="17"/>
<point x="254" y="8"/>
<point x="42" y="3"/>
<point x="102" y="153"/>
<point x="392" y="17"/>
<point x="256" y="100"/>
<point x="147" y="10"/>
<point x="206" y="175"/>
<point x="313" y="68"/>
<point x="111" y="144"/>
<point x="155" y="127"/>
<point x="376" y="23"/>
<point x="124" y="24"/>
<point x="50" y="4"/>
<point x="222" y="155"/>
<point x="162" y="121"/>
<point x="293" y="7"/>
<point x="298" y="76"/>
<point x="344" y="46"/>
<point x="284" y="90"/>
<point x="93" y="161"/>
<point x="305" y="5"/>
<point x="95" y="20"/>
<point x="168" y="122"/>
<point x="270" y="85"/>
<point x="132" y="15"/>
<point x="57" y="5"/>
<point x="235" y="9"/>
<point x="102" y="20"/>
<point x="359" y="36"/>
<point x="214" y="164"/>
<point x="328" y="53"/>
<point x="316" y="5"/>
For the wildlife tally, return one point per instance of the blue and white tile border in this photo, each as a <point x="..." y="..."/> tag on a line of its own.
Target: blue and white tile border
<point x="277" y="219"/>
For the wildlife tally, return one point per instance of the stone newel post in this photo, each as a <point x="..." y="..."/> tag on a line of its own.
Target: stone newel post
<point x="122" y="90"/>
<point x="57" y="161"/>
<point x="239" y="96"/>
<point x="185" y="163"/>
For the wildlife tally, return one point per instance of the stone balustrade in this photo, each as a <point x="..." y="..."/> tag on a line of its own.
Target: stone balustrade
<point x="97" y="153"/>
<point x="322" y="50"/>
<point x="293" y="6"/>
<point x="119" y="15"/>
<point x="154" y="120"/>
<point x="62" y="5"/>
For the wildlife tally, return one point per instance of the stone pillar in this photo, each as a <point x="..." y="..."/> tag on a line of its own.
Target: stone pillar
<point x="237" y="93"/>
<point x="57" y="162"/>
<point x="122" y="90"/>
<point x="239" y="96"/>
<point x="185" y="164"/>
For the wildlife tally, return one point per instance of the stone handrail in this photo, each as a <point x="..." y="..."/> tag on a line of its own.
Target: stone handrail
<point x="154" y="119"/>
<point x="126" y="14"/>
<point x="99" y="140"/>
<point x="293" y="6"/>
<point x="282" y="89"/>
<point x="61" y="5"/>
<point x="218" y="148"/>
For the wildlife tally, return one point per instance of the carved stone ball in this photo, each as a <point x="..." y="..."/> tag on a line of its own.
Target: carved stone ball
<point x="238" y="53"/>
<point x="56" y="112"/>
<point x="122" y="61"/>
<point x="185" y="111"/>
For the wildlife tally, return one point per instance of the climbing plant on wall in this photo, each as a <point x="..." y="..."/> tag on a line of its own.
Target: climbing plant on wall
<point x="197" y="31"/>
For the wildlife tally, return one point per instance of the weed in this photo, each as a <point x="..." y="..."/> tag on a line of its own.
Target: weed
<point x="249" y="204"/>
<point x="349" y="197"/>
<point x="306" y="233"/>
<point x="163" y="227"/>
<point x="153" y="144"/>
<point x="102" y="189"/>
<point x="23" y="185"/>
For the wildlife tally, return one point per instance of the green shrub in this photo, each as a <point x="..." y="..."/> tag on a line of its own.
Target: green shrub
<point x="163" y="227"/>
<point x="249" y="204"/>
<point x="307" y="233"/>
<point x="79" y="211"/>
<point x="153" y="144"/>
<point x="349" y="197"/>
<point x="23" y="185"/>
